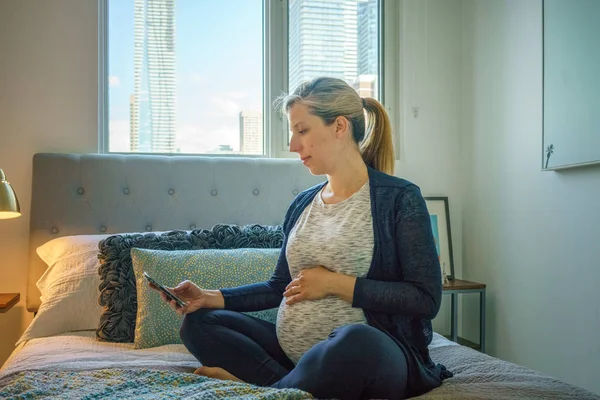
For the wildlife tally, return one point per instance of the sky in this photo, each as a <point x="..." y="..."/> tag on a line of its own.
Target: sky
<point x="215" y="78"/>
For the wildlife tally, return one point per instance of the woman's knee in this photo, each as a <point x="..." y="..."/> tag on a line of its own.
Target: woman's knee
<point x="354" y="358"/>
<point x="358" y="343"/>
<point x="348" y="343"/>
<point x="196" y="324"/>
<point x="355" y="333"/>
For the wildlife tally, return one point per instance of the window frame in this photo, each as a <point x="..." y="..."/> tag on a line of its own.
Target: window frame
<point x="275" y="77"/>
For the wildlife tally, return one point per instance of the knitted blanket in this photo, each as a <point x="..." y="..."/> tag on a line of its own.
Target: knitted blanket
<point x="132" y="384"/>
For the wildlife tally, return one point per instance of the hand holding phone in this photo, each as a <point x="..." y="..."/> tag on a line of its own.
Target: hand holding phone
<point x="171" y="296"/>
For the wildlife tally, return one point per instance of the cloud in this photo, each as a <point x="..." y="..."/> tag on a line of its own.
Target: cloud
<point x="234" y="95"/>
<point x="198" y="79"/>
<point x="192" y="138"/>
<point x="119" y="135"/>
<point x="114" y="81"/>
<point x="226" y="134"/>
<point x="227" y="107"/>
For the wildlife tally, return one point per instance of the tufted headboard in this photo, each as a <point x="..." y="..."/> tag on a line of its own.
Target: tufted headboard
<point x="75" y="194"/>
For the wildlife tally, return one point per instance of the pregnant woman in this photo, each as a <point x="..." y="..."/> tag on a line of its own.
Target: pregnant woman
<point x="358" y="279"/>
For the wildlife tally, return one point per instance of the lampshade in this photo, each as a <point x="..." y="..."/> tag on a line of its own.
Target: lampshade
<point x="9" y="204"/>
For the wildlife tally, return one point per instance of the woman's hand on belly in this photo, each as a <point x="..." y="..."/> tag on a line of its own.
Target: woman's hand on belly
<point x="312" y="283"/>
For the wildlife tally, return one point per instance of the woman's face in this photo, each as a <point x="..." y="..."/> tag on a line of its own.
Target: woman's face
<point x="316" y="143"/>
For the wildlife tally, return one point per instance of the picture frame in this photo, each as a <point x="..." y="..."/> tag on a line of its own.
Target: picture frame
<point x="439" y="212"/>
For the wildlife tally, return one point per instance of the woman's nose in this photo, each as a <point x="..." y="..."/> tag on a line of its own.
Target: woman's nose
<point x="294" y="144"/>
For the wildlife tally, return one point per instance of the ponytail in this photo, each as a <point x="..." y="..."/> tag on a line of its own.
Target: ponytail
<point x="377" y="148"/>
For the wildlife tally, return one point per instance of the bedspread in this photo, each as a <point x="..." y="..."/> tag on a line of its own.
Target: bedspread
<point x="480" y="376"/>
<point x="78" y="366"/>
<point x="118" y="383"/>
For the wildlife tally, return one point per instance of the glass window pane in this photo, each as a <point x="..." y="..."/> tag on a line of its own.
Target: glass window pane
<point x="338" y="38"/>
<point x="185" y="76"/>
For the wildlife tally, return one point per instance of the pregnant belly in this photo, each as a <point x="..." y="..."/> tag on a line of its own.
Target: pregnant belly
<point x="304" y="324"/>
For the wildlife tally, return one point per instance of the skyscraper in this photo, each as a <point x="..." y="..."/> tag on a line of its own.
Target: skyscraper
<point x="366" y="83"/>
<point x="153" y="103"/>
<point x="367" y="37"/>
<point x="366" y="86"/>
<point x="134" y="132"/>
<point x="251" y="132"/>
<point x="322" y="40"/>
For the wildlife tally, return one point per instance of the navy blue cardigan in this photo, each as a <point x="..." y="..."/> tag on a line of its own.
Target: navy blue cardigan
<point x="402" y="291"/>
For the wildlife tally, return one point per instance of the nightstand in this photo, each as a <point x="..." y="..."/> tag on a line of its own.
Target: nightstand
<point x="7" y="300"/>
<point x="456" y="287"/>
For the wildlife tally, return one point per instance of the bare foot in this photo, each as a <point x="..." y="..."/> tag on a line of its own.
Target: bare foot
<point x="217" y="373"/>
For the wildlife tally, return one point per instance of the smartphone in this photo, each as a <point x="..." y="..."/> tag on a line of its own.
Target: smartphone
<point x="160" y="287"/>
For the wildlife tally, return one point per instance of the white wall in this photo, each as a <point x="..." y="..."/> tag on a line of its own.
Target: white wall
<point x="48" y="102"/>
<point x="532" y="236"/>
<point x="431" y="147"/>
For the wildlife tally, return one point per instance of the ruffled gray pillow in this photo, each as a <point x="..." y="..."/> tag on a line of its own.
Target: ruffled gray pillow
<point x="118" y="293"/>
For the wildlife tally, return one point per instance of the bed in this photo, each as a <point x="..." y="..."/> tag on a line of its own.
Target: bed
<point x="97" y="196"/>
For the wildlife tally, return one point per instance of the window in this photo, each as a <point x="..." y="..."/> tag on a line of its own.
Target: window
<point x="200" y="76"/>
<point x="338" y="38"/>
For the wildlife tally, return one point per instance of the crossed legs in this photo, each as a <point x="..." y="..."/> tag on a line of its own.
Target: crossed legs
<point x="355" y="361"/>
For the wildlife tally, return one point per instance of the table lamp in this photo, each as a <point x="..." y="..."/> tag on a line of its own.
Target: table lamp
<point x="9" y="204"/>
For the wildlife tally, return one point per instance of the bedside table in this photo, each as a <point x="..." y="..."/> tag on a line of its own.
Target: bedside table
<point x="7" y="300"/>
<point x="456" y="287"/>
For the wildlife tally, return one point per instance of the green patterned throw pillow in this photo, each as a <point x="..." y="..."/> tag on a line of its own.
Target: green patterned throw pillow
<point x="156" y="323"/>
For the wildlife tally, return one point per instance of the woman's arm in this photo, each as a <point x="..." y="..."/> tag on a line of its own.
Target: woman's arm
<point x="264" y="295"/>
<point x="342" y="286"/>
<point x="419" y="294"/>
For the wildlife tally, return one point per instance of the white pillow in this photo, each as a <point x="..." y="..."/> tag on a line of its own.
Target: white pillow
<point x="58" y="248"/>
<point x="69" y="287"/>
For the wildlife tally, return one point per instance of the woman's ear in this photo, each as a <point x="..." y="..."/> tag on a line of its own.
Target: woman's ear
<point x="341" y="126"/>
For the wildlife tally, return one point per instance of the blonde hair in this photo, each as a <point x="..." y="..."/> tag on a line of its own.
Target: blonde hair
<point x="329" y="98"/>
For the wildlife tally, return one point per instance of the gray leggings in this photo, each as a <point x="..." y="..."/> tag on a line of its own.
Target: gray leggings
<point x="354" y="362"/>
